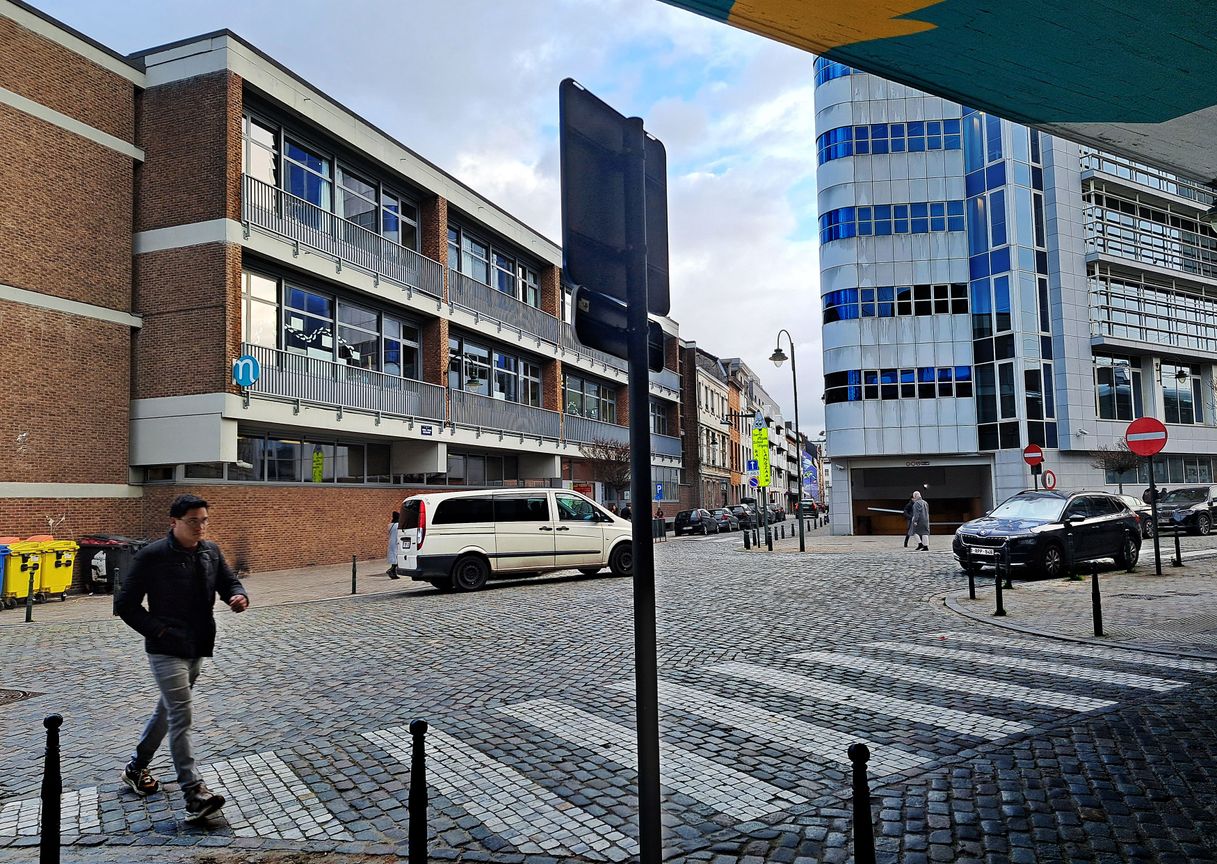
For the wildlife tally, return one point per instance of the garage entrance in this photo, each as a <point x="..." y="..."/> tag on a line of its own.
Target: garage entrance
<point x="955" y="493"/>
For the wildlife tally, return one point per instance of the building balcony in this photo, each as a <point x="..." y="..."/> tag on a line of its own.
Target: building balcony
<point x="666" y="383"/>
<point x="316" y="381"/>
<point x="484" y="301"/>
<point x="572" y="344"/>
<point x="665" y="445"/>
<point x="305" y="224"/>
<point x="485" y="412"/>
<point x="584" y="430"/>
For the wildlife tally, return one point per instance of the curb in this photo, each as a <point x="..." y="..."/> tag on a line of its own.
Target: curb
<point x="949" y="599"/>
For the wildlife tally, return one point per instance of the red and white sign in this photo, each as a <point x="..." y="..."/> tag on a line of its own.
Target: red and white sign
<point x="1049" y="480"/>
<point x="1033" y="455"/>
<point x="1145" y="436"/>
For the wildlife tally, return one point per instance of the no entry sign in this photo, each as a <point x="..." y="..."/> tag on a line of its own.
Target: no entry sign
<point x="1145" y="436"/>
<point x="1033" y="455"/>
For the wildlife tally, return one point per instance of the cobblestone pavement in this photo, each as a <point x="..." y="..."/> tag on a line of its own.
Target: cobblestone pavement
<point x="986" y="745"/>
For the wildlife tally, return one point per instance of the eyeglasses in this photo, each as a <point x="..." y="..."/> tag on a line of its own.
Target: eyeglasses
<point x="195" y="521"/>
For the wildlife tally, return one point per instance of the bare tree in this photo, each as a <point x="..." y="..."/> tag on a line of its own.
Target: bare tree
<point x="609" y="461"/>
<point x="1115" y="457"/>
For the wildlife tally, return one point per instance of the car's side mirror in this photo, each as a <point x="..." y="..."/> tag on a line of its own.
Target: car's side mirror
<point x="1074" y="518"/>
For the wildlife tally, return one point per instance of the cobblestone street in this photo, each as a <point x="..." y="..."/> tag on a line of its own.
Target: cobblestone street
<point x="987" y="744"/>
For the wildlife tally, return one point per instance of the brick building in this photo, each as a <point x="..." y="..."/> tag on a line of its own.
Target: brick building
<point x="407" y="332"/>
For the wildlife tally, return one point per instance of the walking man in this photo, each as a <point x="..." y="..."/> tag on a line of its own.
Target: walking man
<point x="919" y="527"/>
<point x="180" y="575"/>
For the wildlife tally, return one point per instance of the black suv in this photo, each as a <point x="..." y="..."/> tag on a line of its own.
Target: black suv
<point x="1188" y="508"/>
<point x="699" y="521"/>
<point x="1034" y="528"/>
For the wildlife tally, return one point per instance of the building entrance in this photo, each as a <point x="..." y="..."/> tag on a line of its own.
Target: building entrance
<point x="955" y="493"/>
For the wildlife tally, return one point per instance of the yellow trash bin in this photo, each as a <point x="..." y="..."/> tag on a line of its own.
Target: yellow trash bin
<point x="24" y="556"/>
<point x="58" y="562"/>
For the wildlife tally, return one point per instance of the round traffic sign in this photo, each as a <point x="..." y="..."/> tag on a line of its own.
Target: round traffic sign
<point x="1032" y="454"/>
<point x="1049" y="479"/>
<point x="1145" y="436"/>
<point x="753" y="482"/>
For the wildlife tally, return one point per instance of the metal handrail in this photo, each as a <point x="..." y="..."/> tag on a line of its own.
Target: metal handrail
<point x="585" y="430"/>
<point x="481" y="298"/>
<point x="303" y="222"/>
<point x="484" y="412"/>
<point x="665" y="445"/>
<point x="319" y="381"/>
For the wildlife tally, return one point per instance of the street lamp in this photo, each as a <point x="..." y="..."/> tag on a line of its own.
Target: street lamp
<point x="779" y="357"/>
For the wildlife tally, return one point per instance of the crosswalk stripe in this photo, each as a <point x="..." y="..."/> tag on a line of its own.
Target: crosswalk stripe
<point x="78" y="814"/>
<point x="908" y="673"/>
<point x="727" y="790"/>
<point x="966" y="722"/>
<point x="267" y="799"/>
<point x="1007" y="661"/>
<point x="1074" y="649"/>
<point x="525" y="814"/>
<point x="780" y="729"/>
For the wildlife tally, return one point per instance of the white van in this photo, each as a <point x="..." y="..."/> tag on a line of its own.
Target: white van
<point x="458" y="540"/>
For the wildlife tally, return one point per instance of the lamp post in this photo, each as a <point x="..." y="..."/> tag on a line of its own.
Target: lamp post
<point x="779" y="357"/>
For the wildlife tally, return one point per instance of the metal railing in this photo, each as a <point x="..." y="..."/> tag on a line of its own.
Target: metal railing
<point x="305" y="223"/>
<point x="571" y="343"/>
<point x="585" y="430"/>
<point x="667" y="379"/>
<point x="327" y="382"/>
<point x="1146" y="175"/>
<point x="665" y="445"/>
<point x="484" y="300"/>
<point x="484" y="412"/>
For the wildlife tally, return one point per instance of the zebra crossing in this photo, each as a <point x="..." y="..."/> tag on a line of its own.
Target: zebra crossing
<point x="712" y="716"/>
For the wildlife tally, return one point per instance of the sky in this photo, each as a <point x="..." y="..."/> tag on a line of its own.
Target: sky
<point x="472" y="85"/>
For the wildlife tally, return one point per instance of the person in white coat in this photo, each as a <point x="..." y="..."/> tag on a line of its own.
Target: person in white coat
<point x="394" y="538"/>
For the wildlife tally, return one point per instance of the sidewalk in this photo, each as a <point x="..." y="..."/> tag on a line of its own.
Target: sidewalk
<point x="1175" y="612"/>
<point x="275" y="588"/>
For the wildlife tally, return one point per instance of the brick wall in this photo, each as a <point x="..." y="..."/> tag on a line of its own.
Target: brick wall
<point x="190" y="300"/>
<point x="191" y="134"/>
<point x="551" y="385"/>
<point x="264" y="528"/>
<point x="551" y="290"/>
<point x="64" y="413"/>
<point x="433" y="230"/>
<point x="69" y="519"/>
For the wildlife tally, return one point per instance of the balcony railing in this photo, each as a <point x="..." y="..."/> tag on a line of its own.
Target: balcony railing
<point x="305" y="223"/>
<point x="484" y="412"/>
<point x="473" y="295"/>
<point x="327" y="382"/>
<point x="585" y="430"/>
<point x="665" y="445"/>
<point x="667" y="379"/>
<point x="571" y="343"/>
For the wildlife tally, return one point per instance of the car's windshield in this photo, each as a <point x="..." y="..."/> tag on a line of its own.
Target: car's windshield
<point x="1046" y="509"/>
<point x="1184" y="496"/>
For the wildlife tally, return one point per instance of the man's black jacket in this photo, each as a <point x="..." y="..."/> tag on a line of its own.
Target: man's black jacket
<point x="181" y="587"/>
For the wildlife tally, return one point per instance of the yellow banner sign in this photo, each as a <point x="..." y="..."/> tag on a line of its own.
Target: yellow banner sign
<point x="760" y="452"/>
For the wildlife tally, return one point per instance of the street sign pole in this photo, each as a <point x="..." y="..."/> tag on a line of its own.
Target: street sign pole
<point x="1153" y="514"/>
<point x="1146" y="436"/>
<point x="646" y="676"/>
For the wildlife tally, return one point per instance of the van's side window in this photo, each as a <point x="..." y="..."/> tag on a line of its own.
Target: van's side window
<point x="576" y="509"/>
<point x="457" y="510"/>
<point x="532" y="508"/>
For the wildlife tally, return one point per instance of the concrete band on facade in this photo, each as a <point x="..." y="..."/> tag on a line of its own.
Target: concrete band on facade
<point x="1077" y="292"/>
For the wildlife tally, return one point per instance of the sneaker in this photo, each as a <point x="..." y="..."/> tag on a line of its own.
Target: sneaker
<point x="140" y="781"/>
<point x="201" y="802"/>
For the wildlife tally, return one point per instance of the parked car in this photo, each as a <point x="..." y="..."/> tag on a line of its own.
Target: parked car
<point x="745" y="514"/>
<point x="698" y="521"/>
<point x="1188" y="508"/>
<point x="1144" y="512"/>
<point x="459" y="540"/>
<point x="1035" y="529"/>
<point x="809" y="508"/>
<point x="777" y="513"/>
<point x="726" y="519"/>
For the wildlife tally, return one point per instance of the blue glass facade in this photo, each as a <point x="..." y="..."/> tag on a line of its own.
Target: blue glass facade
<point x="915" y="136"/>
<point x="826" y="70"/>
<point x="923" y="217"/>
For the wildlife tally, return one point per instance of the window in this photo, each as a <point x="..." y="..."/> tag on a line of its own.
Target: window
<point x="358" y="336"/>
<point x="455" y="511"/>
<point x="468" y="367"/>
<point x="357" y="202"/>
<point x="530" y="384"/>
<point x="572" y="508"/>
<point x="399" y="220"/>
<point x="659" y="417"/>
<point x="1181" y="393"/>
<point x="530" y="286"/>
<point x="260" y="151"/>
<point x="401" y="347"/>
<point x="1117" y="388"/>
<point x="506" y="377"/>
<point x="308" y="323"/>
<point x="586" y="397"/>
<point x="309" y="176"/>
<point x="513" y="508"/>
<point x="259" y="310"/>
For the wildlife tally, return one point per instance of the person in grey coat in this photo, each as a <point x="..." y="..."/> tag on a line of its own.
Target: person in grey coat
<point x="919" y="526"/>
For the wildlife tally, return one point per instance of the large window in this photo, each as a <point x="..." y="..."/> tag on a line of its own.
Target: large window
<point x="1117" y="382"/>
<point x="1181" y="393"/>
<point x="468" y="255"/>
<point x="260" y="151"/>
<point x="308" y="323"/>
<point x="889" y="302"/>
<point x="486" y="371"/>
<point x="401" y="344"/>
<point x="358" y="336"/>
<point x="588" y="397"/>
<point x="659" y="417"/>
<point x="498" y="268"/>
<point x="265" y="458"/>
<point x="926" y="382"/>
<point x="309" y="174"/>
<point x="259" y="310"/>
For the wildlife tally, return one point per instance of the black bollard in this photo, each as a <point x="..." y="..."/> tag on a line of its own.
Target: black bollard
<point x="971" y="582"/>
<point x="1001" y="610"/>
<point x="52" y="790"/>
<point x="747" y="539"/>
<point x="26" y="563"/>
<point x="1096" y="603"/>
<point x="1073" y="572"/>
<point x="783" y="532"/>
<point x="1178" y="562"/>
<point x="417" y="804"/>
<point x="864" y="827"/>
<point x="353" y="574"/>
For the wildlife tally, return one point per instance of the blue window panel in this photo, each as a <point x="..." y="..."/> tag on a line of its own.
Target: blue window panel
<point x="865" y="229"/>
<point x="883" y="212"/>
<point x="897" y="145"/>
<point x="883" y="228"/>
<point x="938" y="208"/>
<point x="978" y="266"/>
<point x="854" y="377"/>
<point x="950" y="142"/>
<point x="954" y="215"/>
<point x="900" y="211"/>
<point x="888" y="376"/>
<point x="995" y="176"/>
<point x="974" y="183"/>
<point x="919" y="210"/>
<point x="944" y="374"/>
<point x="868" y="310"/>
<point x="887" y="295"/>
<point x="925" y="375"/>
<point x="895" y="130"/>
<point x="862" y="146"/>
<point x="907" y="376"/>
<point x="997" y="217"/>
<point x="1037" y="178"/>
<point x="992" y="138"/>
<point x="867" y="295"/>
<point x="982" y="297"/>
<point x="916" y="127"/>
<point x="954" y="208"/>
<point x="916" y="144"/>
<point x="1049" y="399"/>
<point x="864" y="213"/>
<point x="973" y="142"/>
<point x="1046" y="347"/>
<point x="999" y="260"/>
<point x="1022" y="174"/>
<point x="1001" y="295"/>
<point x="900" y="226"/>
<point x="978" y="235"/>
<point x="933" y="127"/>
<point x="963" y="373"/>
<point x="870" y="377"/>
<point x="878" y="130"/>
<point x="920" y="226"/>
<point x="1050" y="435"/>
<point x="878" y="146"/>
<point x="955" y="223"/>
<point x="950" y="127"/>
<point x="827" y="70"/>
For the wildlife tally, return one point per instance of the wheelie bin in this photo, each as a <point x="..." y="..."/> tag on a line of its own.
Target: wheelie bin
<point x="24" y="557"/>
<point x="58" y="556"/>
<point x="104" y="558"/>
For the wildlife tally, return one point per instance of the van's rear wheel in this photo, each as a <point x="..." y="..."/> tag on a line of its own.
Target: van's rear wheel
<point x="621" y="561"/>
<point x="470" y="573"/>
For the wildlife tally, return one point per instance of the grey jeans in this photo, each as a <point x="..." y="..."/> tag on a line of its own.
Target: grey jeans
<point x="175" y="678"/>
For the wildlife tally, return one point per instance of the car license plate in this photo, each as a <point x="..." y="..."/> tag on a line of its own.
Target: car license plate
<point x="981" y="550"/>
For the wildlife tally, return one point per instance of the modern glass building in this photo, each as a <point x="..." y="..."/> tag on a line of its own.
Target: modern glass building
<point x="985" y="287"/>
